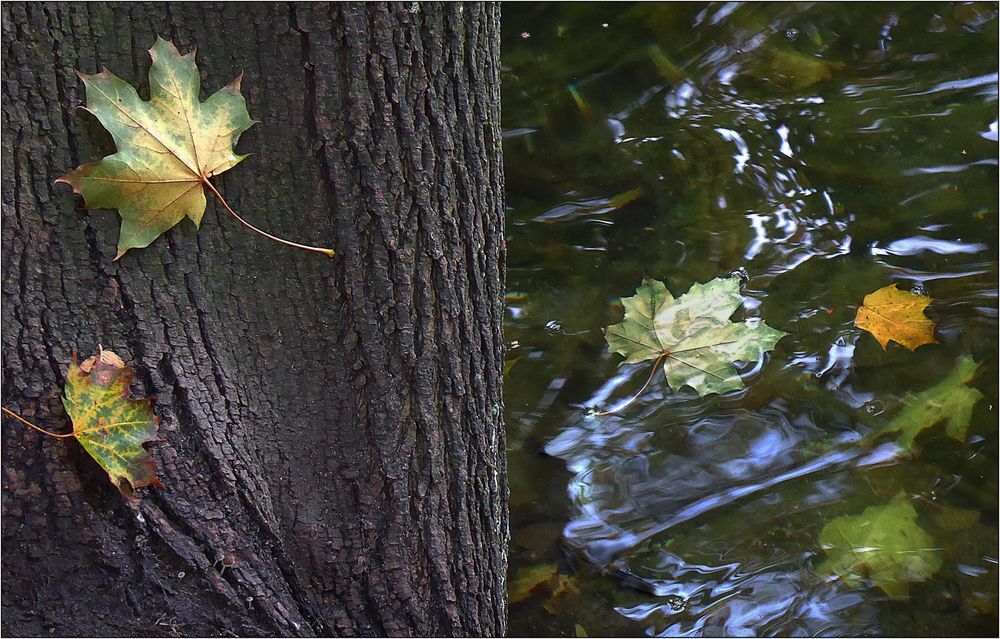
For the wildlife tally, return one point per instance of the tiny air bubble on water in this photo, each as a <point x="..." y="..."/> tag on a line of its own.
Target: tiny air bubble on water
<point x="874" y="407"/>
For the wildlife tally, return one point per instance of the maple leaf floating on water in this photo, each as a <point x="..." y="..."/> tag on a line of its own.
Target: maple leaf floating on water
<point x="892" y="314"/>
<point x="168" y="147"/>
<point x="691" y="334"/>
<point x="111" y="426"/>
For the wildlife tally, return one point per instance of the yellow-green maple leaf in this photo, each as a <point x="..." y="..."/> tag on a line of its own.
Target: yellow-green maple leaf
<point x="528" y="580"/>
<point x="883" y="543"/>
<point x="168" y="146"/>
<point x="691" y="334"/>
<point x="111" y="426"/>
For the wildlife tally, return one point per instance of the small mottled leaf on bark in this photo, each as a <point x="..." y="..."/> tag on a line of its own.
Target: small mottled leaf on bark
<point x="110" y="425"/>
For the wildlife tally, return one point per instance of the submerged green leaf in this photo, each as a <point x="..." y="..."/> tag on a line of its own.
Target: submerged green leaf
<point x="545" y="577"/>
<point x="691" y="333"/>
<point x="788" y="67"/>
<point x="883" y="543"/>
<point x="564" y="590"/>
<point x="528" y="580"/>
<point x="950" y="401"/>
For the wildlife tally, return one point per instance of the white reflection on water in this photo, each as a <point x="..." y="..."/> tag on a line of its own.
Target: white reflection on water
<point x="920" y="243"/>
<point x="772" y="600"/>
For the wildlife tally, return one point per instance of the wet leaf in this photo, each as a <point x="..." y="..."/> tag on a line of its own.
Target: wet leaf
<point x="509" y="364"/>
<point x="691" y="333"/>
<point x="563" y="587"/>
<point x="797" y="70"/>
<point x="543" y="577"/>
<point x="168" y="146"/>
<point x="108" y="424"/>
<point x="580" y="631"/>
<point x="950" y="401"/>
<point x="894" y="315"/>
<point x="883" y="543"/>
<point x="528" y="580"/>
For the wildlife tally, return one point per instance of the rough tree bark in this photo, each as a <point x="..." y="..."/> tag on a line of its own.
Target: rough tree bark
<point x="334" y="424"/>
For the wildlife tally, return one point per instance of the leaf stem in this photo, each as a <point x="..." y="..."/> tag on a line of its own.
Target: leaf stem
<point x="656" y="364"/>
<point x="326" y="251"/>
<point x="41" y="430"/>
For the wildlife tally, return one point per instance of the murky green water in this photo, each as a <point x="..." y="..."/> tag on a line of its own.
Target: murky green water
<point x="821" y="152"/>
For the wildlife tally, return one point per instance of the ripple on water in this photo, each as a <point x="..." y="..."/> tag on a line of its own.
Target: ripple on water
<point x="821" y="152"/>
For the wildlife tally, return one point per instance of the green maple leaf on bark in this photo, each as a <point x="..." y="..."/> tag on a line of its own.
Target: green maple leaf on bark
<point x="168" y="148"/>
<point x="108" y="424"/>
<point x="691" y="334"/>
<point x="950" y="401"/>
<point x="883" y="543"/>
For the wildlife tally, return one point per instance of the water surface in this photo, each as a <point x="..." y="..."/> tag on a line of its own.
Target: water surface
<point x="819" y="152"/>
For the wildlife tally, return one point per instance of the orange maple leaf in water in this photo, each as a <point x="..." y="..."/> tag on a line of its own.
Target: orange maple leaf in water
<point x="894" y="315"/>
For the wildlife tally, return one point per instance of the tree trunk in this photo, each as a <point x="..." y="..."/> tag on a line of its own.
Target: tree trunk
<point x="333" y="424"/>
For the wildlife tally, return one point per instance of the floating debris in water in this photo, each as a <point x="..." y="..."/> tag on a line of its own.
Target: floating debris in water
<point x="580" y="102"/>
